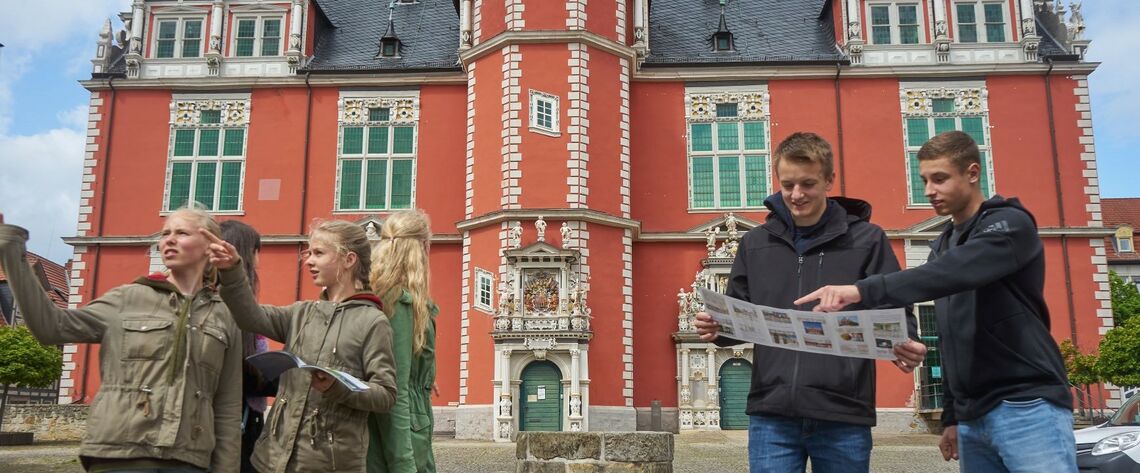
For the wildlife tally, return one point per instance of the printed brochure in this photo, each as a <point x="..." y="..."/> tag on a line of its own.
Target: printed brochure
<point x="272" y="363"/>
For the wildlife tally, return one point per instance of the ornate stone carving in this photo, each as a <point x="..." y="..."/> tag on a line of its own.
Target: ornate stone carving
<point x="941" y="29"/>
<point x="1029" y="27"/>
<point x="514" y="236"/>
<point x="540" y="343"/>
<point x="575" y="405"/>
<point x="1076" y="22"/>
<point x="540" y="228"/>
<point x="354" y="111"/>
<point x="188" y="112"/>
<point x="505" y="405"/>
<point x="920" y="102"/>
<point x="566" y="231"/>
<point x="686" y="395"/>
<point x="854" y="30"/>
<point x="750" y="105"/>
<point x="505" y="430"/>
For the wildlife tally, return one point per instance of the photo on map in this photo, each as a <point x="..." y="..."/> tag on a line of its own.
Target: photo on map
<point x="776" y="316"/>
<point x="784" y="337"/>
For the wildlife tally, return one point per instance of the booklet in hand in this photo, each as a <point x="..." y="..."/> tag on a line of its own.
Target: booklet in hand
<point x="272" y="363"/>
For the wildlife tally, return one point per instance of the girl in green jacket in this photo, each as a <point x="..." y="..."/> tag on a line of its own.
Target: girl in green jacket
<point x="318" y="424"/>
<point x="401" y="439"/>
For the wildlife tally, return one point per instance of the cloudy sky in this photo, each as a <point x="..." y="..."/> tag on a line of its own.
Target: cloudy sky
<point x="49" y="43"/>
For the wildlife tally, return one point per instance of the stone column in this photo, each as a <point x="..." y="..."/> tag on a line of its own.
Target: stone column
<point x="640" y="38"/>
<point x="575" y="409"/>
<point x="214" y="52"/>
<point x="1030" y="40"/>
<point x="941" y="31"/>
<point x="293" y="53"/>
<point x="133" y="56"/>
<point x="686" y="393"/>
<point x="504" y="405"/>
<point x="713" y="394"/>
<point x="464" y="24"/>
<point x="854" y="33"/>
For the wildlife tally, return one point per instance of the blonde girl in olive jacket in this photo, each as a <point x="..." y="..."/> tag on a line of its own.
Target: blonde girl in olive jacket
<point x="170" y="356"/>
<point x="317" y="424"/>
<point x="401" y="439"/>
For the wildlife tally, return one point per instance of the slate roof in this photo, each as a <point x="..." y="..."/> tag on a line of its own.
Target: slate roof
<point x="428" y="31"/>
<point x="55" y="275"/>
<point x="1117" y="212"/>
<point x="765" y="31"/>
<point x="1050" y="47"/>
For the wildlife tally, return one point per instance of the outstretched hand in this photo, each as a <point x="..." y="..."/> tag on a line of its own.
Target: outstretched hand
<point x="832" y="298"/>
<point x="222" y="254"/>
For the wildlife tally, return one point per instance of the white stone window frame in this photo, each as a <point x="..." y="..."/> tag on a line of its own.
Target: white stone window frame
<point x="538" y="98"/>
<point x="909" y="111"/>
<point x="980" y="20"/>
<point x="180" y="19"/>
<point x="404" y="110"/>
<point x="484" y="294"/>
<point x="896" y="34"/>
<point x="711" y="96"/>
<point x="235" y="114"/>
<point x="1123" y="239"/>
<point x="259" y="32"/>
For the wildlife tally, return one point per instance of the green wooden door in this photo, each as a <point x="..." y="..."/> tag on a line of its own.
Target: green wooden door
<point x="540" y="405"/>
<point x="735" y="380"/>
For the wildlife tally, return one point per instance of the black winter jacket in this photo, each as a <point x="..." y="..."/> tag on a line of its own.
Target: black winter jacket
<point x="992" y="320"/>
<point x="769" y="271"/>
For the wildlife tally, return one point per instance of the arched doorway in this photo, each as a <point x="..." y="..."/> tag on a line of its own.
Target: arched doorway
<point x="540" y="397"/>
<point x="735" y="381"/>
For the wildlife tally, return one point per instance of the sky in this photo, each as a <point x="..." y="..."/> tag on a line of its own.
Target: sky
<point x="43" y="110"/>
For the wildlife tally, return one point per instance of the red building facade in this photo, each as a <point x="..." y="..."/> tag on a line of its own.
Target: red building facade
<point x="580" y="161"/>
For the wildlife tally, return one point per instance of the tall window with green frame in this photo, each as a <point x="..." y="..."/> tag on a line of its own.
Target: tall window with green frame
<point x="207" y="162"/>
<point x="944" y="117"/>
<point x="377" y="163"/>
<point x="728" y="161"/>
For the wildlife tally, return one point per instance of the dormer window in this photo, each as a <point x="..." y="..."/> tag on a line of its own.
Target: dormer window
<point x="1123" y="240"/>
<point x="722" y="39"/>
<point x="389" y="43"/>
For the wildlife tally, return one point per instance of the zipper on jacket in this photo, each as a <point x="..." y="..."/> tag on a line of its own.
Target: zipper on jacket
<point x="796" y="354"/>
<point x="280" y="404"/>
<point x="332" y="447"/>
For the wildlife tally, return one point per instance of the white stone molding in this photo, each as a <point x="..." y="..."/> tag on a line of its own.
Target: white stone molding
<point x="579" y="127"/>
<point x="512" y="124"/>
<point x="1088" y="151"/>
<point x="469" y="182"/>
<point x="576" y="14"/>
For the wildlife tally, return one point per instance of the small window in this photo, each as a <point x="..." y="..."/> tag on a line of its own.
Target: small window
<point x="389" y="47"/>
<point x="544" y="112"/>
<point x="1124" y="240"/>
<point x="981" y="22"/>
<point x="484" y="282"/>
<point x="893" y="23"/>
<point x="257" y="36"/>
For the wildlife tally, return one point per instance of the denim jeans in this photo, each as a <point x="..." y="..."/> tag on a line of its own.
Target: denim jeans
<point x="784" y="444"/>
<point x="1019" y="436"/>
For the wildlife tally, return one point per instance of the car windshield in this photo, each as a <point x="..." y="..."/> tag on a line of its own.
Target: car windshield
<point x="1128" y="414"/>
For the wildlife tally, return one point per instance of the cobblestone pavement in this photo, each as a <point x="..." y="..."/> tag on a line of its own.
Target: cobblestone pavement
<point x="696" y="452"/>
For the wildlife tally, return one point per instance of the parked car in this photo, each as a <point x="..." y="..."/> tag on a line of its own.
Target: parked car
<point x="1114" y="446"/>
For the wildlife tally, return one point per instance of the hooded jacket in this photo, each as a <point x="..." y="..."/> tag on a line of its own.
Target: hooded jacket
<point x="768" y="270"/>
<point x="150" y="410"/>
<point x="992" y="319"/>
<point x="307" y="430"/>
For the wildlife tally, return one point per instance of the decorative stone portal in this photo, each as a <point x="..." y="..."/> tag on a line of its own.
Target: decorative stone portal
<point x="541" y="320"/>
<point x="699" y="364"/>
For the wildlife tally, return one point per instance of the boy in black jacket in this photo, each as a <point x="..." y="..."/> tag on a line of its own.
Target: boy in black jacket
<point x="807" y="405"/>
<point x="1007" y="403"/>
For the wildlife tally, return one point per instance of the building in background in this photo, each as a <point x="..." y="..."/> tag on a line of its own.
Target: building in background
<point x="53" y="278"/>
<point x="586" y="165"/>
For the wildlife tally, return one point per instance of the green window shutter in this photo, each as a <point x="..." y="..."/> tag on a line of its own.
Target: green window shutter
<point x="230" y="192"/>
<point x="401" y="184"/>
<point x="208" y="142"/>
<point x="350" y="184"/>
<point x="703" y="185"/>
<point x="352" y="141"/>
<point x="210" y="117"/>
<point x="995" y="22"/>
<point x="984" y="181"/>
<point x="755" y="180"/>
<point x="403" y="138"/>
<point x="179" y="185"/>
<point x="192" y="38"/>
<point x="378" y="140"/>
<point x="917" y="131"/>
<point x="729" y="181"/>
<point x="728" y="136"/>
<point x="973" y="127"/>
<point x="204" y="184"/>
<point x="917" y="187"/>
<point x="700" y="136"/>
<point x="754" y="136"/>
<point x="184" y="142"/>
<point x="235" y="142"/>
<point x="943" y="125"/>
<point x="270" y="37"/>
<point x="376" y="182"/>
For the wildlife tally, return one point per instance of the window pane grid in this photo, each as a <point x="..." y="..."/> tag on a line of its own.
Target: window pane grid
<point x="995" y="22"/>
<point x="383" y="179"/>
<point x="919" y="130"/>
<point x="271" y="37"/>
<point x="722" y="176"/>
<point x="207" y="163"/>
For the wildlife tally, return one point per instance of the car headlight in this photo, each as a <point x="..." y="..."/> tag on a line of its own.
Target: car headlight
<point x="1116" y="443"/>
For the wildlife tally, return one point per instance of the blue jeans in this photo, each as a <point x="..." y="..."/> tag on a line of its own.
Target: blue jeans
<point x="1019" y="436"/>
<point x="783" y="444"/>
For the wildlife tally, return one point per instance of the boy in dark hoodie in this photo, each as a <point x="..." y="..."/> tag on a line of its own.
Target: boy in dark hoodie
<point x="806" y="405"/>
<point x="1007" y="403"/>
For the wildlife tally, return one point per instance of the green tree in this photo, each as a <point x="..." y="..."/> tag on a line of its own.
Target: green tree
<point x="1125" y="298"/>
<point x="1081" y="367"/>
<point x="1119" y="361"/>
<point x="25" y="362"/>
